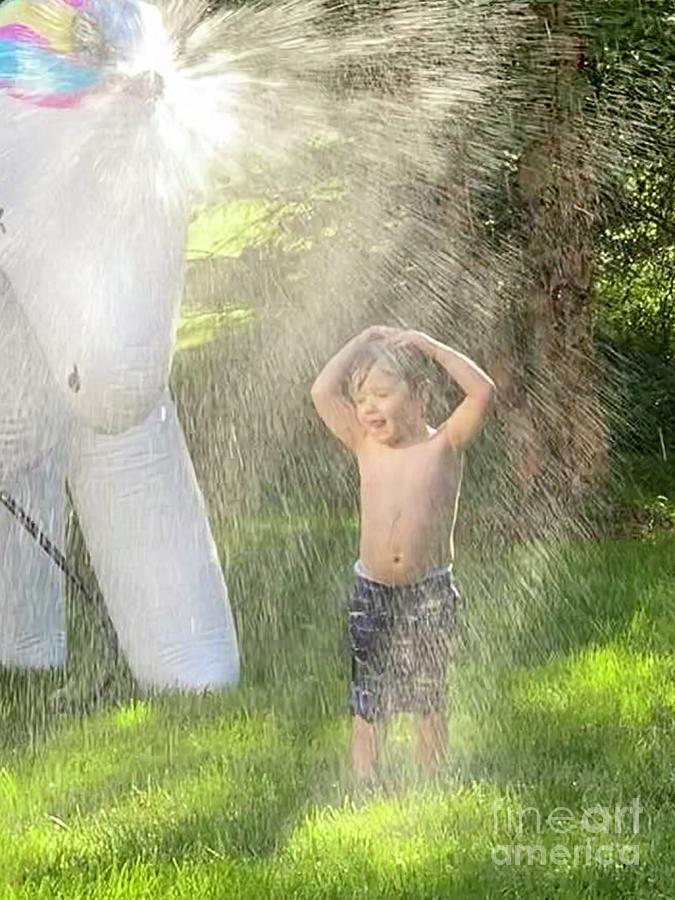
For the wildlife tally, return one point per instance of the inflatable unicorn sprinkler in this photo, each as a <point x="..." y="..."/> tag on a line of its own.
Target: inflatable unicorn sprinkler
<point x="94" y="192"/>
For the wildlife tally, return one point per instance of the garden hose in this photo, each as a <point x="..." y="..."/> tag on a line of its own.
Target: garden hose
<point x="60" y="561"/>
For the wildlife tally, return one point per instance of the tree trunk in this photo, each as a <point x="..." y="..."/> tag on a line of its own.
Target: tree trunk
<point x="550" y="410"/>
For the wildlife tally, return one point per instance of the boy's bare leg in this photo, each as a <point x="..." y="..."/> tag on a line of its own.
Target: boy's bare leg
<point x="431" y="740"/>
<point x="364" y="749"/>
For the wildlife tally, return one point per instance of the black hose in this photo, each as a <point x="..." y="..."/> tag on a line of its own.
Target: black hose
<point x="61" y="563"/>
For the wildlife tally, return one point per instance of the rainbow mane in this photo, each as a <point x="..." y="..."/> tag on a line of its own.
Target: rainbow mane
<point x="38" y="61"/>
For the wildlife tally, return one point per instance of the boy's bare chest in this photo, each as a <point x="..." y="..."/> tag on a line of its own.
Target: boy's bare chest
<point x="410" y="471"/>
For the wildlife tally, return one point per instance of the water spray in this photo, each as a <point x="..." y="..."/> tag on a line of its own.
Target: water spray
<point x="60" y="561"/>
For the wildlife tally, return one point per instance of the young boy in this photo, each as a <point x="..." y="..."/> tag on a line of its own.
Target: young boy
<point x="403" y="603"/>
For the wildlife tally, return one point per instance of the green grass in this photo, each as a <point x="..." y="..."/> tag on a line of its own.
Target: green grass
<point x="564" y="697"/>
<point x="644" y="497"/>
<point x="229" y="229"/>
<point x="201" y="326"/>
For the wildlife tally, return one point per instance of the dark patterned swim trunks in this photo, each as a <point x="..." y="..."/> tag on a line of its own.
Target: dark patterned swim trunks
<point x="401" y="638"/>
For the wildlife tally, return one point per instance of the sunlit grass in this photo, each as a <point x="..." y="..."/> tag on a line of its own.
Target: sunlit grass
<point x="229" y="229"/>
<point x="200" y="326"/>
<point x="593" y="686"/>
<point x="225" y="230"/>
<point x="563" y="698"/>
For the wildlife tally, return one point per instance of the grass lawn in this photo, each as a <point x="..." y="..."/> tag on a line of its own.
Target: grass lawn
<point x="564" y="697"/>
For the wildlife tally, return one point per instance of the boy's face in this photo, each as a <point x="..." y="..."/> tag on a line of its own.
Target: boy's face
<point x="385" y="406"/>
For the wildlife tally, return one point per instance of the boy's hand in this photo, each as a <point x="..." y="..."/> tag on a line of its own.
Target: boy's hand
<point x="408" y="337"/>
<point x="396" y="337"/>
<point x="380" y="332"/>
<point x="327" y="391"/>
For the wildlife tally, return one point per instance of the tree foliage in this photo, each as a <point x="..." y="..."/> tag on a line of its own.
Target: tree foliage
<point x="633" y="70"/>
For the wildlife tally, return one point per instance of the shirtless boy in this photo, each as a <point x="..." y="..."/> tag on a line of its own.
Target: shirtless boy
<point x="372" y="395"/>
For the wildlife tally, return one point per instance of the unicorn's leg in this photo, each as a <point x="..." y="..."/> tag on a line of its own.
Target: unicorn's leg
<point x="32" y="626"/>
<point x="144" y="521"/>
<point x="32" y="609"/>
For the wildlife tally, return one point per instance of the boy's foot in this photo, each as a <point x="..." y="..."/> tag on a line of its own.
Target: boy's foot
<point x="362" y="790"/>
<point x="431" y="741"/>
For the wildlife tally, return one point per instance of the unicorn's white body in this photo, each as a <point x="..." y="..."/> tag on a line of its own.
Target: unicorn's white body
<point x="92" y="254"/>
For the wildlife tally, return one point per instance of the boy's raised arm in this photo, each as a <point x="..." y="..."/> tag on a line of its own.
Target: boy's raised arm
<point x="329" y="401"/>
<point x="465" y="423"/>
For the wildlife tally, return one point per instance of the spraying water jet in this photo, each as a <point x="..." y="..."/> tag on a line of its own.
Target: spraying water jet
<point x="143" y="108"/>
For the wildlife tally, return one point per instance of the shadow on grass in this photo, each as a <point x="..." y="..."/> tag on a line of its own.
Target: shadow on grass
<point x="193" y="781"/>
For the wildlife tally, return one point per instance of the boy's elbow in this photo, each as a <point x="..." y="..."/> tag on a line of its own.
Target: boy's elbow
<point x="488" y="395"/>
<point x="317" y="390"/>
<point x="319" y="395"/>
<point x="322" y="388"/>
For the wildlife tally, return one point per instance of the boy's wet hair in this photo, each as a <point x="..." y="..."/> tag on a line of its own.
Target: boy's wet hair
<point x="407" y="363"/>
